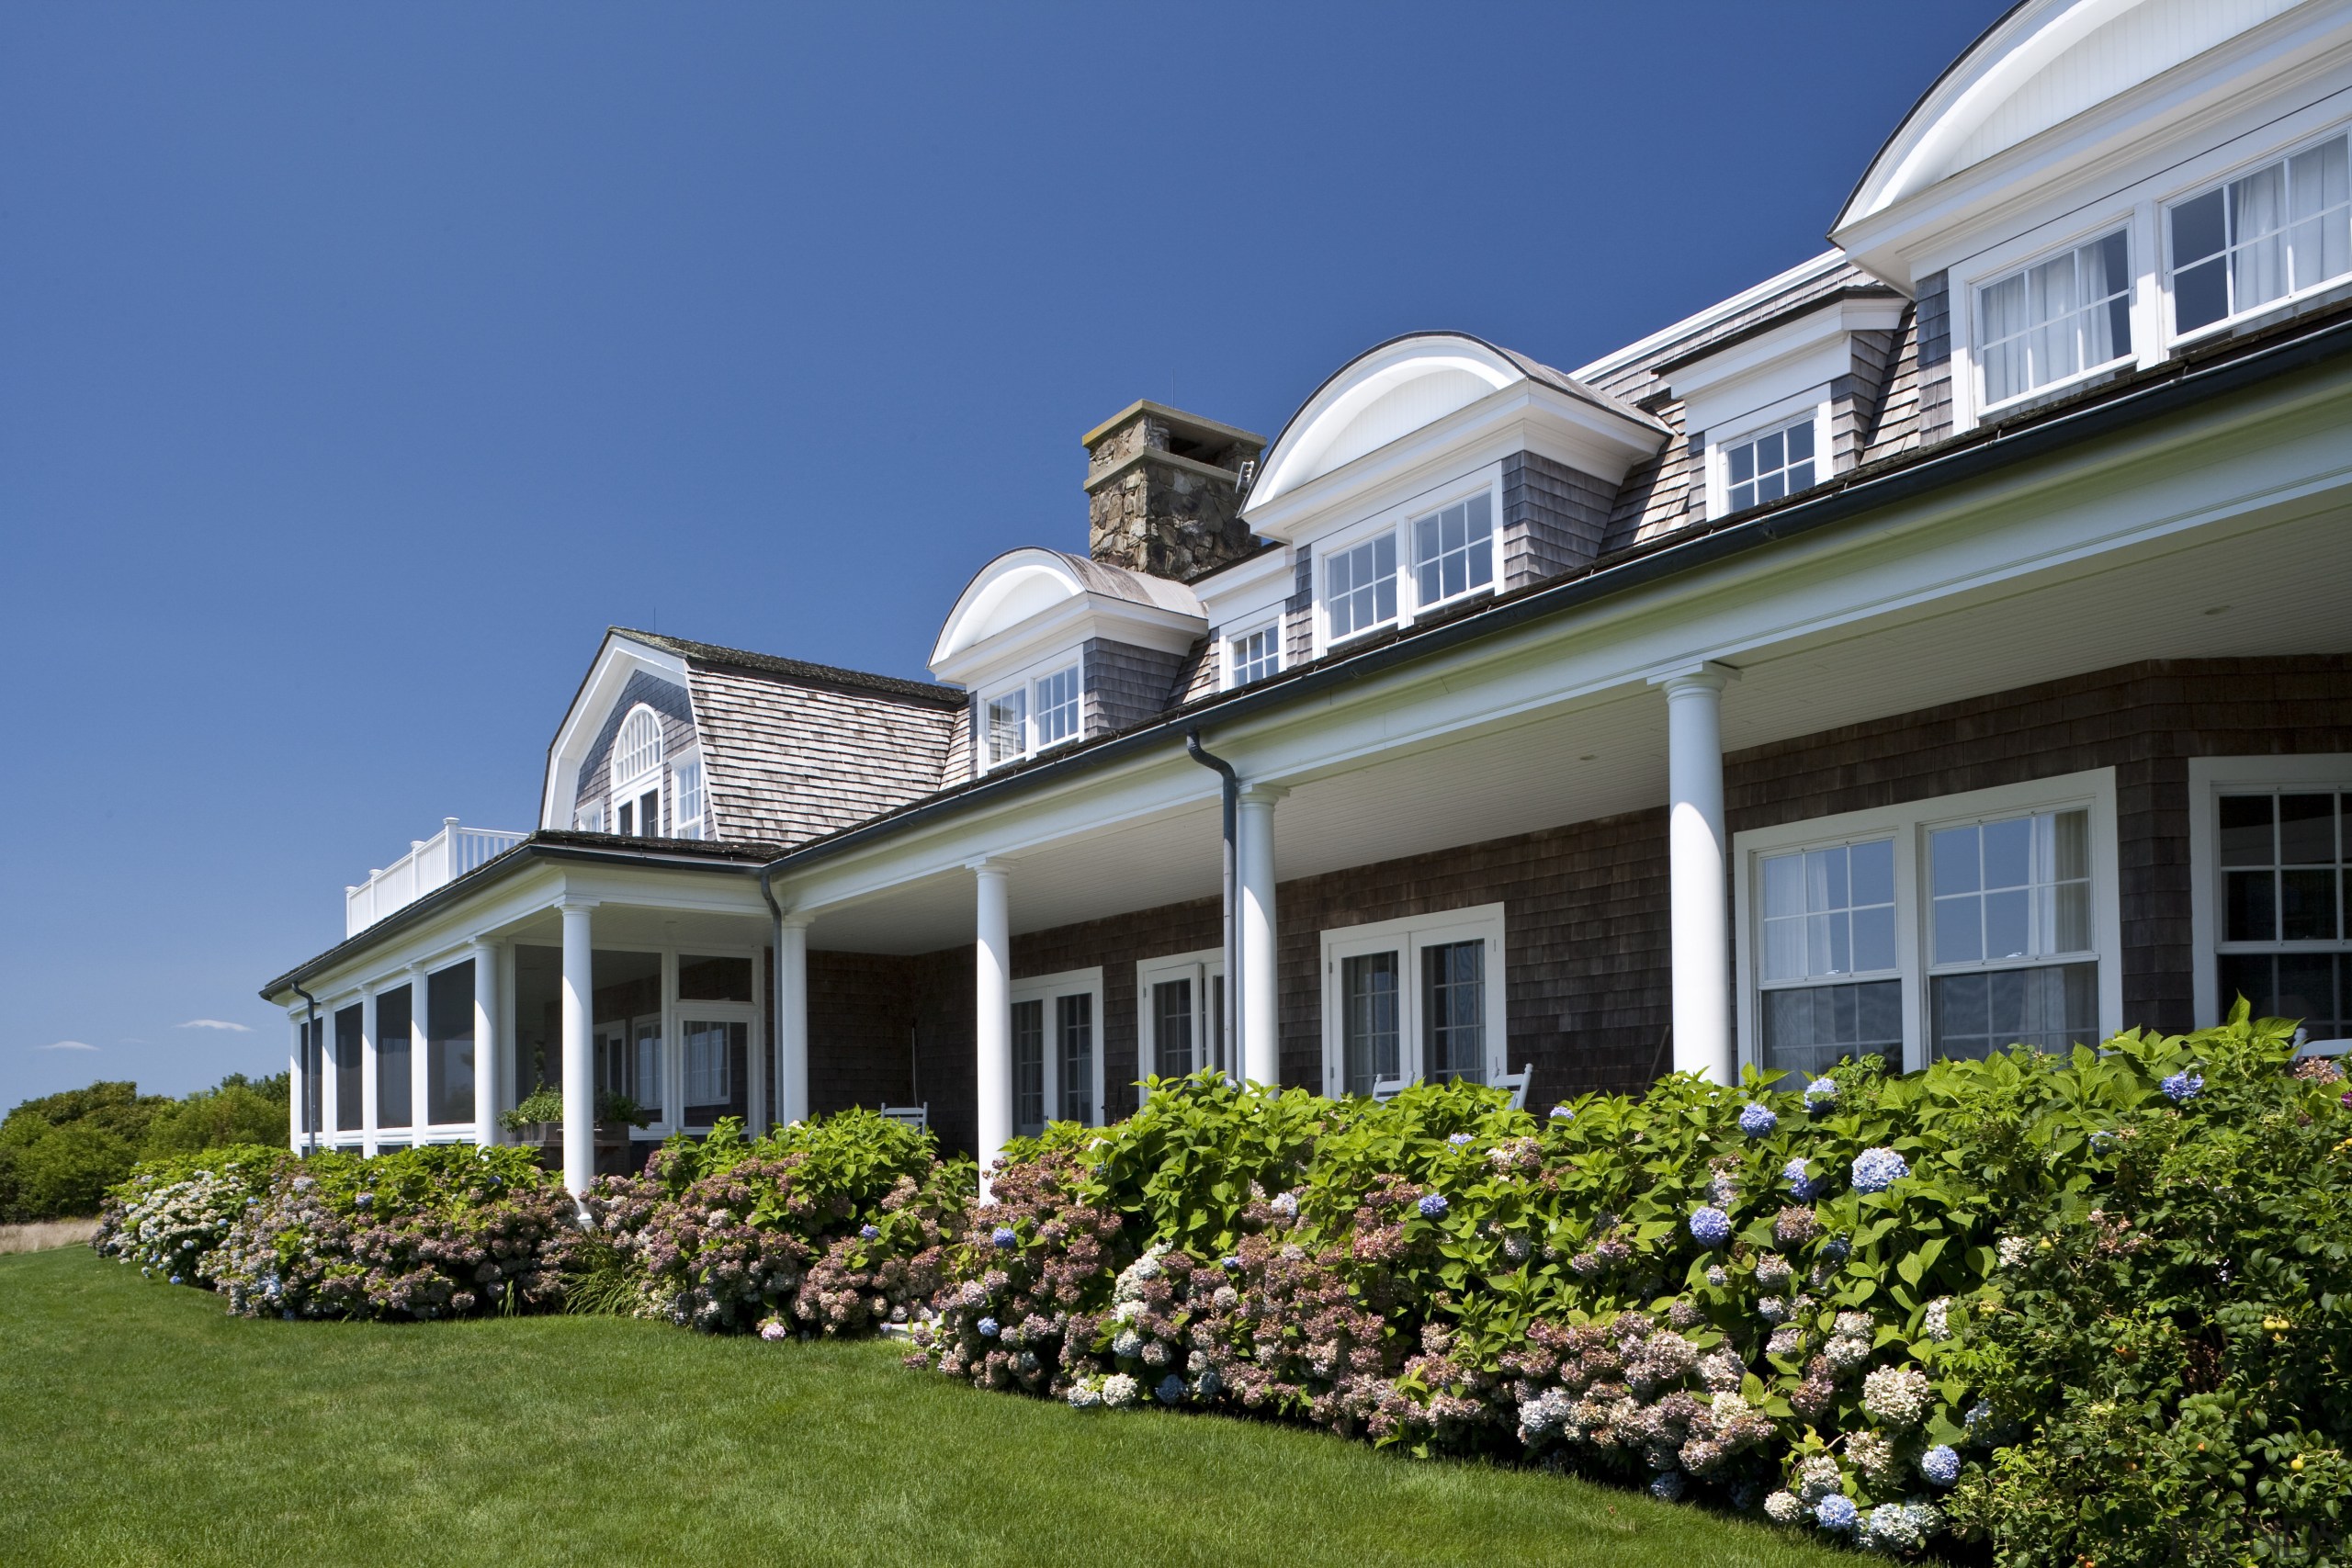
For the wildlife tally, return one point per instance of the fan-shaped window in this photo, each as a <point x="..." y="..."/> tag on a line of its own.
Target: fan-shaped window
<point x="638" y="751"/>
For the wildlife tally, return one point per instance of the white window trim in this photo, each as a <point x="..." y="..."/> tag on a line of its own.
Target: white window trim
<point x="1026" y="683"/>
<point x="1273" y="624"/>
<point x="1397" y="520"/>
<point x="2283" y="305"/>
<point x="1910" y="825"/>
<point x="676" y="798"/>
<point x="618" y="786"/>
<point x="2208" y="779"/>
<point x="1046" y="988"/>
<point x="1406" y="937"/>
<point x="1788" y="410"/>
<point x="590" y="818"/>
<point x="2135" y="308"/>
<point x="1199" y="968"/>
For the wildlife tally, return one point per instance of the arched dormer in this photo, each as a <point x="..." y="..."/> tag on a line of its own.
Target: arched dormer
<point x="2100" y="73"/>
<point x="1055" y="648"/>
<point x="1422" y="401"/>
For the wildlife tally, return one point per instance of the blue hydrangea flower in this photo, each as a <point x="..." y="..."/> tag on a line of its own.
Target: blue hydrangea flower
<point x="365" y="1201"/>
<point x="2102" y="1139"/>
<point x="1758" y="1119"/>
<point x="1875" y="1171"/>
<point x="1820" y="1094"/>
<point x="177" y="1281"/>
<point x="1434" y="1206"/>
<point x="1710" y="1226"/>
<point x="1807" y="1187"/>
<point x="869" y="1232"/>
<point x="1004" y="1236"/>
<point x="1230" y="1264"/>
<point x="1457" y="1139"/>
<point x="1940" y="1464"/>
<point x="988" y="1327"/>
<point x="1563" y="1113"/>
<point x="1666" y="1487"/>
<point x="1171" y="1390"/>
<point x="2183" y="1086"/>
<point x="1836" y="1512"/>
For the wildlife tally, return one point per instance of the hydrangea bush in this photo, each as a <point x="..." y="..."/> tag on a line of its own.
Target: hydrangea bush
<point x="173" y="1214"/>
<point x="830" y="1227"/>
<point x="1828" y="1299"/>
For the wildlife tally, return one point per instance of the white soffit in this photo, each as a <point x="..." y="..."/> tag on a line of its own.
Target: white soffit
<point x="1029" y="600"/>
<point x="620" y="658"/>
<point x="2039" y="67"/>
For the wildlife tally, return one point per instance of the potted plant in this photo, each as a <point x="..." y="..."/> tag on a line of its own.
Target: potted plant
<point x="540" y="1111"/>
<point x="616" y="1111"/>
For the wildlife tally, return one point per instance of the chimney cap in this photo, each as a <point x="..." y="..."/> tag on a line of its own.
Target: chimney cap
<point x="1177" y="420"/>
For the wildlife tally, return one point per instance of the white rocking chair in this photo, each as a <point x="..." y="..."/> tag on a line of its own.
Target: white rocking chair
<point x="917" y="1117"/>
<point x="1386" y="1089"/>
<point x="1517" y="1083"/>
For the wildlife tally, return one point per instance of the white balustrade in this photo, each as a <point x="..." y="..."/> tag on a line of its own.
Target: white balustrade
<point x="430" y="864"/>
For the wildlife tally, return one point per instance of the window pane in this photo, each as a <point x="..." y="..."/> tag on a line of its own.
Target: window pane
<point x="2007" y="932"/>
<point x="2246" y="829"/>
<point x="2249" y="902"/>
<point x="2196" y="231"/>
<point x="1453" y="981"/>
<point x="1008" y="727"/>
<point x="348" y="1024"/>
<point x="1074" y="1023"/>
<point x="2009" y="849"/>
<point x="1783" y="884"/>
<point x="1171" y="1029"/>
<point x="1368" y="1001"/>
<point x="1874" y="939"/>
<point x="1029" y="1067"/>
<point x="712" y="1054"/>
<point x="1809" y="1030"/>
<point x="2306" y="830"/>
<point x="2307" y="905"/>
<point x="2049" y="1009"/>
<point x="714" y="979"/>
<point x="1951" y="851"/>
<point x="1799" y="439"/>
<point x="1871" y="866"/>
<point x="1959" y="929"/>
<point x="449" y="1045"/>
<point x="391" y="1059"/>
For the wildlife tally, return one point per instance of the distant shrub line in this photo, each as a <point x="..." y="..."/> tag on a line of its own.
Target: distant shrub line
<point x="2092" y="1306"/>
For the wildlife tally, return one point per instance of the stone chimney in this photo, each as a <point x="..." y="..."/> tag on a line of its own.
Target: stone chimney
<point x="1163" y="491"/>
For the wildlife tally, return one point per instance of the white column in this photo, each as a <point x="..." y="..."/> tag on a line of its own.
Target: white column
<point x="792" y="1021"/>
<point x="367" y="1069"/>
<point x="993" y="1012"/>
<point x="486" y="1042"/>
<point x="420" y="1065"/>
<point x="294" y="1089"/>
<point x="579" y="1067"/>
<point x="1261" y="1060"/>
<point x="1699" y="872"/>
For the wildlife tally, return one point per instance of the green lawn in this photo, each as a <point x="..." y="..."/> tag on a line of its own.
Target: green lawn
<point x="140" y="1423"/>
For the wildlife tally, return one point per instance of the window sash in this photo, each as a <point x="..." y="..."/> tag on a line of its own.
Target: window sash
<point x="2055" y="319"/>
<point x="1029" y="1067"/>
<point x="2268" y="234"/>
<point x="708" y="1059"/>
<point x="1453" y="551"/>
<point x="1361" y="586"/>
<point x="1074" y="1042"/>
<point x="1057" y="707"/>
<point x="1766" y="466"/>
<point x="2011" y="891"/>
<point x="686" y="782"/>
<point x="1371" y="1040"/>
<point x="1256" y="654"/>
<point x="637" y="750"/>
<point x="1827" y="912"/>
<point x="1008" y="726"/>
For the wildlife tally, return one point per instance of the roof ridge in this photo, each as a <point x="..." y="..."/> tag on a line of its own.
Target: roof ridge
<point x="776" y="664"/>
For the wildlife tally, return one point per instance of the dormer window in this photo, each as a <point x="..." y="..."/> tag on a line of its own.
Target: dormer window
<point x="1448" y="551"/>
<point x="636" y="775"/>
<point x="1034" y="716"/>
<point x="1767" y="466"/>
<point x="1453" y="551"/>
<point x="1363" y="587"/>
<point x="2280" y="230"/>
<point x="687" y="795"/>
<point x="2056" y="318"/>
<point x="1254" y="655"/>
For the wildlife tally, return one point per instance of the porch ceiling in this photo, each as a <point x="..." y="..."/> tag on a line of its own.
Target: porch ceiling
<point x="2271" y="583"/>
<point x="627" y="927"/>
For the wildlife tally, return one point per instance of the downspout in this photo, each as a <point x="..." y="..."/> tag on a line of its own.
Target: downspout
<point x="775" y="999"/>
<point x="1231" y="789"/>
<point x="312" y="1042"/>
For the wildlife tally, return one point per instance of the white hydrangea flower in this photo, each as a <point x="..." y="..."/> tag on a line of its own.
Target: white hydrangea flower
<point x="1937" y="1320"/>
<point x="1119" y="1389"/>
<point x="2013" y="1250"/>
<point x="1783" y="1507"/>
<point x="1818" y="1477"/>
<point x="1871" y="1453"/>
<point x="1896" y="1396"/>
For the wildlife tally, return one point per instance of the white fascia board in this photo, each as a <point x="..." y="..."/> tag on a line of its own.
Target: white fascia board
<point x="1249" y="591"/>
<point x="2143" y="125"/>
<point x="1524" y="416"/>
<point x="618" y="660"/>
<point x="1066" y="624"/>
<point x="1813" y="350"/>
<point x="2275" y="451"/>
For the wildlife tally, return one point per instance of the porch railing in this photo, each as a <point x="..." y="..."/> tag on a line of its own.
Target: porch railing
<point x="430" y="862"/>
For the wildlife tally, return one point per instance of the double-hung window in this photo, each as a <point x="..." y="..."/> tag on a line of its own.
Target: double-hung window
<point x="685" y="783"/>
<point x="1446" y="553"/>
<point x="2284" y="860"/>
<point x="1416" y="999"/>
<point x="2056" y="318"/>
<point x="1767" y="466"/>
<point x="1254" y="655"/>
<point x="1951" y="927"/>
<point x="1038" y="714"/>
<point x="1361" y="586"/>
<point x="2279" y="231"/>
<point x="1180" y="1004"/>
<point x="716" y="1012"/>
<point x="1830" y="984"/>
<point x="1057" y="1050"/>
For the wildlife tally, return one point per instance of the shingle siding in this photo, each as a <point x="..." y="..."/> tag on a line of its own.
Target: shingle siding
<point x="1122" y="685"/>
<point x="789" y="759"/>
<point x="1933" y="329"/>
<point x="1554" y="518"/>
<point x="664" y="697"/>
<point x="1298" y="612"/>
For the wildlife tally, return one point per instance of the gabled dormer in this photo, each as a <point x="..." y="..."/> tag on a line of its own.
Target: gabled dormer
<point x="1431" y="471"/>
<point x="1054" y="648"/>
<point x="628" y="759"/>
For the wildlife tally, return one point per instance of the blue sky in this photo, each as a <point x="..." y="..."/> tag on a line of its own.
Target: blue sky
<point x="360" y="364"/>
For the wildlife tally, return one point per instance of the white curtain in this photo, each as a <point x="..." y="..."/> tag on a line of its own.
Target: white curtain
<point x="2258" y="216"/>
<point x="2320" y="243"/>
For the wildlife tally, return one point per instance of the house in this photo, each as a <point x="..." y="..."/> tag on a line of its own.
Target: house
<point x="1944" y="644"/>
